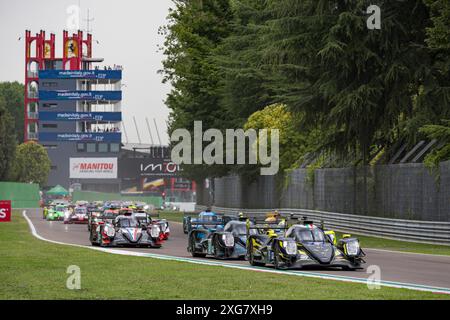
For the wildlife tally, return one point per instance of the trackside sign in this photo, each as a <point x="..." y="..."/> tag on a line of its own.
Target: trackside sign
<point x="93" y="168"/>
<point x="5" y="210"/>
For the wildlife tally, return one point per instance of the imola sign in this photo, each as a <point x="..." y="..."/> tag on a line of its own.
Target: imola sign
<point x="5" y="210"/>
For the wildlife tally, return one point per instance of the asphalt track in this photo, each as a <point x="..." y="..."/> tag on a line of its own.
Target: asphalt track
<point x="416" y="271"/>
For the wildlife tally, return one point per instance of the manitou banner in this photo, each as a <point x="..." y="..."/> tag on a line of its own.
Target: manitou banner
<point x="93" y="168"/>
<point x="5" y="210"/>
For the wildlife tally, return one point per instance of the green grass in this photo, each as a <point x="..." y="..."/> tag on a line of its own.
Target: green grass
<point x="366" y="241"/>
<point x="34" y="269"/>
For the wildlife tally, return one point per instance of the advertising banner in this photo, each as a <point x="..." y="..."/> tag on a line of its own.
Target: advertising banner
<point x="80" y="116"/>
<point x="81" y="137"/>
<point x="150" y="167"/>
<point x="80" y="74"/>
<point x="46" y="95"/>
<point x="93" y="168"/>
<point x="5" y="210"/>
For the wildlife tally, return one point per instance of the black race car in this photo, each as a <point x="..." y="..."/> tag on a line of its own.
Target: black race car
<point x="221" y="242"/>
<point x="302" y="245"/>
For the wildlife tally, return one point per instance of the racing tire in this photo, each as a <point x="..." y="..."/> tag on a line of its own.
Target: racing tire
<point x="251" y="258"/>
<point x="192" y="247"/>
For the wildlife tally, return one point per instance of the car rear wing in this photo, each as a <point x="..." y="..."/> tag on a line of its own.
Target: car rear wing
<point x="203" y="223"/>
<point x="260" y="224"/>
<point x="302" y="219"/>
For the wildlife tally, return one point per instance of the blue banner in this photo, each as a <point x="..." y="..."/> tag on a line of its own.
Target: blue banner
<point x="80" y="116"/>
<point x="79" y="136"/>
<point x="80" y="74"/>
<point x="80" y="95"/>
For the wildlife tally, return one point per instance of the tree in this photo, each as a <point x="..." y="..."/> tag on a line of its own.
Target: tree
<point x="244" y="85"/>
<point x="13" y="94"/>
<point x="442" y="134"/>
<point x="7" y="141"/>
<point x="32" y="164"/>
<point x="194" y="31"/>
<point x="294" y="144"/>
<point x="342" y="75"/>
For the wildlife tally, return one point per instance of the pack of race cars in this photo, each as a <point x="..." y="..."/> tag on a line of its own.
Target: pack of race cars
<point x="284" y="243"/>
<point x="262" y="240"/>
<point x="113" y="223"/>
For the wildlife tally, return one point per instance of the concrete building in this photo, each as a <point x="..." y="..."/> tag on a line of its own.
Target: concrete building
<point x="73" y="109"/>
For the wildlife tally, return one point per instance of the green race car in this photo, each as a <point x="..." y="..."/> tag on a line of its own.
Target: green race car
<point x="56" y="213"/>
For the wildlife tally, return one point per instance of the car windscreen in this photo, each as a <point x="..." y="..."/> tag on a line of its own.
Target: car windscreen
<point x="108" y="215"/>
<point x="141" y="219"/>
<point x="208" y="218"/>
<point x="128" y="223"/>
<point x="309" y="235"/>
<point x="80" y="211"/>
<point x="60" y="208"/>
<point x="238" y="229"/>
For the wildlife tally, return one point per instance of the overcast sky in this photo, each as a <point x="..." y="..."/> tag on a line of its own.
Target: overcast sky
<point x="127" y="32"/>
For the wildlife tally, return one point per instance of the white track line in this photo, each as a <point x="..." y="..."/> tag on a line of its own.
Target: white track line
<point x="406" y="252"/>
<point x="391" y="284"/>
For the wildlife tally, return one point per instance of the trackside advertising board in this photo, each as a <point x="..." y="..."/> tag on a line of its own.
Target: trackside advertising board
<point x="93" y="168"/>
<point x="80" y="116"/>
<point x="80" y="74"/>
<point x="79" y="95"/>
<point x="5" y="210"/>
<point x="86" y="137"/>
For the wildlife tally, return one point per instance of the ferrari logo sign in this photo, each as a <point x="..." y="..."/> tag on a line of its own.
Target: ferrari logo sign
<point x="5" y="210"/>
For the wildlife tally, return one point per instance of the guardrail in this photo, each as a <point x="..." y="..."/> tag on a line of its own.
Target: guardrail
<point x="433" y="232"/>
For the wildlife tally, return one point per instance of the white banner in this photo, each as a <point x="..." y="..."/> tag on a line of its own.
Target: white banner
<point x="93" y="168"/>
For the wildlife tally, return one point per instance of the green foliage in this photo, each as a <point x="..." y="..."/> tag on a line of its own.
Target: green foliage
<point x="439" y="32"/>
<point x="13" y="94"/>
<point x="32" y="164"/>
<point x="350" y="91"/>
<point x="7" y="141"/>
<point x="440" y="133"/>
<point x="292" y="142"/>
<point x="194" y="31"/>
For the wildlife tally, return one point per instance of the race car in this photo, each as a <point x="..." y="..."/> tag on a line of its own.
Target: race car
<point x="125" y="231"/>
<point x="227" y="243"/>
<point x="303" y="245"/>
<point x="201" y="220"/>
<point x="145" y="218"/>
<point x="57" y="214"/>
<point x="78" y="215"/>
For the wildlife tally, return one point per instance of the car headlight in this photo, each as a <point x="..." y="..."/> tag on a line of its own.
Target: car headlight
<point x="154" y="231"/>
<point x="110" y="232"/>
<point x="228" y="239"/>
<point x="290" y="247"/>
<point x="352" y="248"/>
